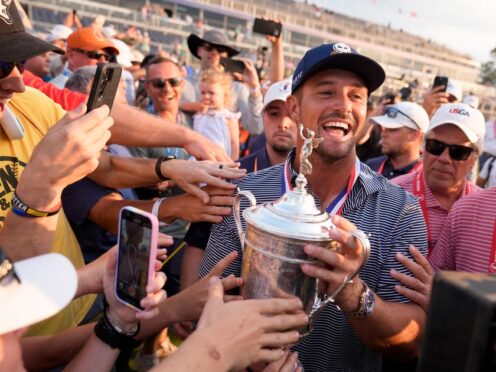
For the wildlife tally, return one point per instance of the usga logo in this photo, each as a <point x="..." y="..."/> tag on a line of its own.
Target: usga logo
<point x="459" y="111"/>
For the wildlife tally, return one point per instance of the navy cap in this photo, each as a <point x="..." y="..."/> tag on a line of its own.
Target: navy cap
<point x="340" y="56"/>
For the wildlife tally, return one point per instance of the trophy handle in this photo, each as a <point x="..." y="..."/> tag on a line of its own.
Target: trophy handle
<point x="321" y="301"/>
<point x="237" y="213"/>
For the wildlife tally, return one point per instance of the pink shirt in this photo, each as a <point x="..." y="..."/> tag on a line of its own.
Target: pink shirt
<point x="467" y="242"/>
<point x="436" y="213"/>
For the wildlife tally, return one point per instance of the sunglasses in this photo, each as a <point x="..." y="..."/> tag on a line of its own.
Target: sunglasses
<point x="210" y="48"/>
<point x="392" y="112"/>
<point x="456" y="152"/>
<point x="94" y="55"/>
<point x="6" y="68"/>
<point x="7" y="270"/>
<point x="160" y="83"/>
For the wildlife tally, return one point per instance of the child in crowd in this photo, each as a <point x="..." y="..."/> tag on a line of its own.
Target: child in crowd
<point x="217" y="122"/>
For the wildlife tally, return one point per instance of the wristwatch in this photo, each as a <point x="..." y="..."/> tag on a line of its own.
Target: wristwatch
<point x="366" y="305"/>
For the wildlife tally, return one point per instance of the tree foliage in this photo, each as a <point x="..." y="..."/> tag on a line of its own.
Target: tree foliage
<point x="488" y="70"/>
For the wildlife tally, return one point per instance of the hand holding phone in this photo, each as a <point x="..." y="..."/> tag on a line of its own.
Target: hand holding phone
<point x="137" y="245"/>
<point x="267" y="27"/>
<point x="105" y="85"/>
<point x="440" y="81"/>
<point x="233" y="65"/>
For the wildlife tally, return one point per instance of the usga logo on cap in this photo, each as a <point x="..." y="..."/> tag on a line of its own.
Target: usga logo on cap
<point x="340" y="48"/>
<point x="459" y="111"/>
<point x="285" y="88"/>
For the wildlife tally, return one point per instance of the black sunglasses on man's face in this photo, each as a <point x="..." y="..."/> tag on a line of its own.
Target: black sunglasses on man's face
<point x="6" y="68"/>
<point x="160" y="83"/>
<point x="456" y="152"/>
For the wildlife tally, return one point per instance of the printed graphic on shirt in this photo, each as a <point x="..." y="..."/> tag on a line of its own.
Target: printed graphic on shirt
<point x="10" y="169"/>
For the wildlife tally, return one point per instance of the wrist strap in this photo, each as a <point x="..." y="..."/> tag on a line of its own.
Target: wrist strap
<point x="23" y="210"/>
<point x="158" y="166"/>
<point x="109" y="335"/>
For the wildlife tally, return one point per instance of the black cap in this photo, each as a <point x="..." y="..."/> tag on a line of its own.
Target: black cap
<point x="16" y="44"/>
<point x="340" y="56"/>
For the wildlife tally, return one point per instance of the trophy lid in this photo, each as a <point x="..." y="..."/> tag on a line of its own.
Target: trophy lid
<point x="294" y="215"/>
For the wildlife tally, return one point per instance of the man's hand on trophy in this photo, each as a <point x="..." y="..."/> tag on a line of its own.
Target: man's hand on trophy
<point x="338" y="268"/>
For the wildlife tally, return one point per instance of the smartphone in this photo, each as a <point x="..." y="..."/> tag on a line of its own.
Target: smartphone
<point x="233" y="65"/>
<point x="11" y="125"/>
<point x="105" y="85"/>
<point x="137" y="250"/>
<point x="267" y="27"/>
<point x="440" y="80"/>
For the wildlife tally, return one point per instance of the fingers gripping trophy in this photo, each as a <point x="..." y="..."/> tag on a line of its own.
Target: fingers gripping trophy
<point x="276" y="233"/>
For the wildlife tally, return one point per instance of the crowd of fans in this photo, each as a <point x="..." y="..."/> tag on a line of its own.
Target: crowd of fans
<point x="177" y="142"/>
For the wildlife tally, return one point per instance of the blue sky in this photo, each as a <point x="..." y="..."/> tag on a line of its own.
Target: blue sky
<point x="468" y="26"/>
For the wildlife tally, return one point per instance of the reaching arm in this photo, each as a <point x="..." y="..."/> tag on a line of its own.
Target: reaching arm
<point x="68" y="152"/>
<point x="129" y="131"/>
<point x="276" y="71"/>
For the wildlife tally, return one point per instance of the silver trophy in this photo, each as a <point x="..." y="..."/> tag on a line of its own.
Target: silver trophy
<point x="275" y="235"/>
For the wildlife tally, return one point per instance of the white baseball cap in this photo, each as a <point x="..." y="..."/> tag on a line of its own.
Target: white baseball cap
<point x="46" y="284"/>
<point x="472" y="101"/>
<point x="59" y="32"/>
<point x="469" y="120"/>
<point x="277" y="92"/>
<point x="455" y="89"/>
<point x="404" y="114"/>
<point x="124" y="56"/>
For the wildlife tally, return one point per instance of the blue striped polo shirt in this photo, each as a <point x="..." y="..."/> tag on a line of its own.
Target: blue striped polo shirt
<point x="391" y="216"/>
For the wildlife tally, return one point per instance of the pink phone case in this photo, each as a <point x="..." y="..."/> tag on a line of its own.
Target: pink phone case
<point x="153" y="248"/>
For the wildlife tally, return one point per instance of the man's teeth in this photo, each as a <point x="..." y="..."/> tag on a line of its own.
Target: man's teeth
<point x="338" y="125"/>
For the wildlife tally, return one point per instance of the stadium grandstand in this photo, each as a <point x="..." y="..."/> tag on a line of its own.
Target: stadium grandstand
<point x="410" y="61"/>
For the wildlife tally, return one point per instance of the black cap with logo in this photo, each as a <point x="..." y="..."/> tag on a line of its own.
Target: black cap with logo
<point x="16" y="44"/>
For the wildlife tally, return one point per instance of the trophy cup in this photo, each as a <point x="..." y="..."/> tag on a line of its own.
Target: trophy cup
<point x="275" y="235"/>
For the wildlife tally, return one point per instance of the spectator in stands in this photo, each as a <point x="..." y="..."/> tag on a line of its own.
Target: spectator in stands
<point x="247" y="96"/>
<point x="453" y="143"/>
<point x="85" y="47"/>
<point x="403" y="126"/>
<point x="217" y="122"/>
<point x="330" y="88"/>
<point x="58" y="36"/>
<point x="369" y="142"/>
<point x="281" y="132"/>
<point x="40" y="65"/>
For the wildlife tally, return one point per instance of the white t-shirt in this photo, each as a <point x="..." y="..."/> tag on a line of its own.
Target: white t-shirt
<point x="491" y="178"/>
<point x="213" y="125"/>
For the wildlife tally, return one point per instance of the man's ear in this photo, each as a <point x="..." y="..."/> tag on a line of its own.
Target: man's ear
<point x="293" y="106"/>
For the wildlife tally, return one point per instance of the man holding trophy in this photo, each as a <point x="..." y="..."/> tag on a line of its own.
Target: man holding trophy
<point x="355" y="317"/>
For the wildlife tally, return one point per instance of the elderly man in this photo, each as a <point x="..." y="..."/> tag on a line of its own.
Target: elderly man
<point x="247" y="95"/>
<point x="403" y="126"/>
<point x="330" y="88"/>
<point x="85" y="47"/>
<point x="453" y="144"/>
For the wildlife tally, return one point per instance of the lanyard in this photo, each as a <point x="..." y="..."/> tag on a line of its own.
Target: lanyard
<point x="336" y="206"/>
<point x="419" y="192"/>
<point x="414" y="168"/>
<point x="492" y="258"/>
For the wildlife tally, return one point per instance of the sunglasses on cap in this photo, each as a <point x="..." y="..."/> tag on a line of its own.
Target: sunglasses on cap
<point x="160" y="83"/>
<point x="6" y="68"/>
<point x="210" y="48"/>
<point x="7" y="270"/>
<point x="392" y="112"/>
<point x="456" y="152"/>
<point x="94" y="55"/>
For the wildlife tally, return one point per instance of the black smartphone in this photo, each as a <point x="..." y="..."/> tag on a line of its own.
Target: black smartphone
<point x="105" y="85"/>
<point x="137" y="245"/>
<point x="440" y="80"/>
<point x="232" y="65"/>
<point x="267" y="27"/>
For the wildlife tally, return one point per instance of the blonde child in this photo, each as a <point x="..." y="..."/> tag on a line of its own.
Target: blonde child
<point x="218" y="123"/>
